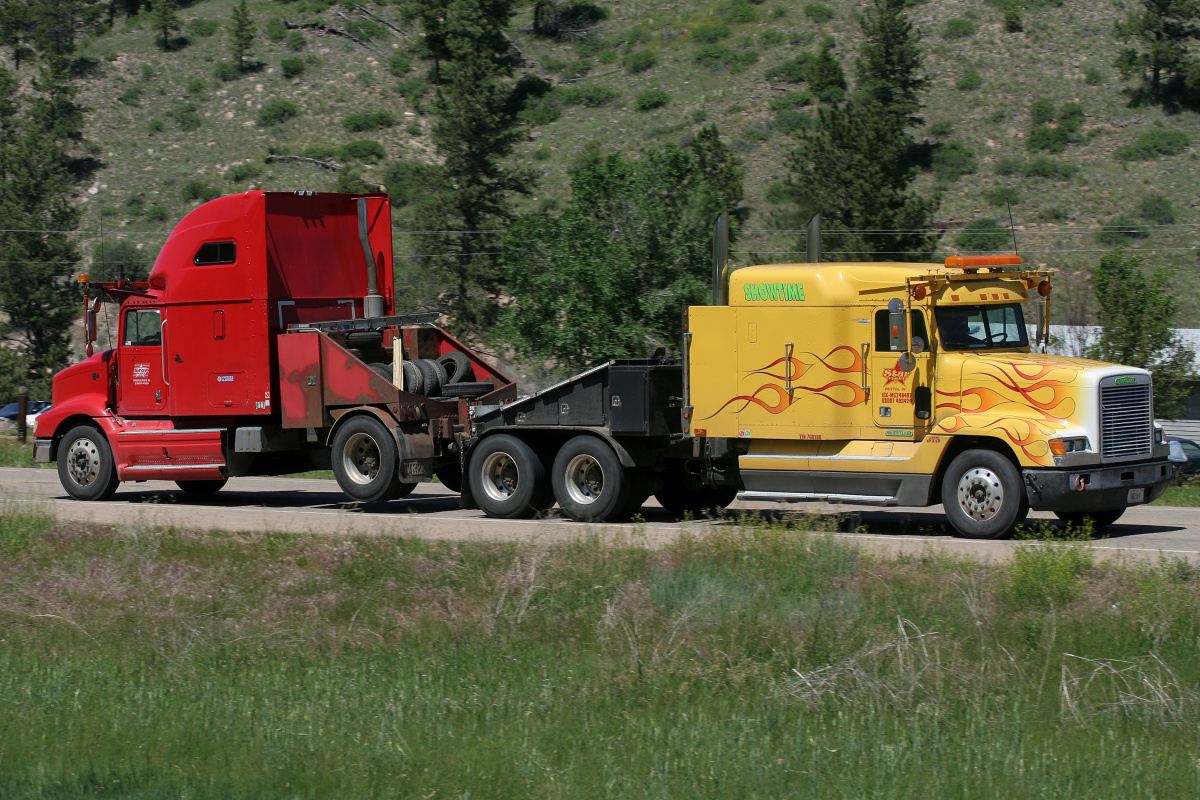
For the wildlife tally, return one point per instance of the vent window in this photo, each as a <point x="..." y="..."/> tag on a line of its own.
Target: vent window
<point x="215" y="253"/>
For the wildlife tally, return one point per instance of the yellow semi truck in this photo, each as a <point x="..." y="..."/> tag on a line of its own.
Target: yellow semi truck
<point x="914" y="384"/>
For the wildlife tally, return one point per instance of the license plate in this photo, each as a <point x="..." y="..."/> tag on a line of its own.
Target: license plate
<point x="1136" y="496"/>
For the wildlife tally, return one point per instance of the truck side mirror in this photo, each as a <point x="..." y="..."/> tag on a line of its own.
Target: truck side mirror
<point x="897" y="326"/>
<point x="89" y="325"/>
<point x="923" y="396"/>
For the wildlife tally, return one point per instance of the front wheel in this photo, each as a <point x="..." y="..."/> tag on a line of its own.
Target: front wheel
<point x="85" y="464"/>
<point x="507" y="478"/>
<point x="589" y="482"/>
<point x="201" y="488"/>
<point x="983" y="495"/>
<point x="365" y="461"/>
<point x="1100" y="519"/>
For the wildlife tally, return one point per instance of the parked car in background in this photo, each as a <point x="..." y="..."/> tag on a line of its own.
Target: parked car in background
<point x="1185" y="455"/>
<point x="32" y="408"/>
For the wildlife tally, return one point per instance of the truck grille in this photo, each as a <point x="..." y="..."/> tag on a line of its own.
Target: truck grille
<point x="1126" y="427"/>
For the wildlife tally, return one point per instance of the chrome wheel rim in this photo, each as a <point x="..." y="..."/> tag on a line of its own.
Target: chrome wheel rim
<point x="360" y="459"/>
<point x="980" y="493"/>
<point x="83" y="462"/>
<point x="584" y="479"/>
<point x="501" y="478"/>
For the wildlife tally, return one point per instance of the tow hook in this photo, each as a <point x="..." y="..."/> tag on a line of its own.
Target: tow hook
<point x="1079" y="484"/>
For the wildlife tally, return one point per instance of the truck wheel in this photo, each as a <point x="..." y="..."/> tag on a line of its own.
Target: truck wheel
<point x="589" y="482"/>
<point x="685" y="495"/>
<point x="508" y="480"/>
<point x="414" y="379"/>
<point x="365" y="461"/>
<point x="382" y="370"/>
<point x="201" y="488"/>
<point x="1100" y="519"/>
<point x="467" y="389"/>
<point x="85" y="464"/>
<point x="458" y="367"/>
<point x="451" y="477"/>
<point x="983" y="495"/>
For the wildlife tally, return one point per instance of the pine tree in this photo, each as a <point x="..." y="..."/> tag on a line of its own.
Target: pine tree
<point x="164" y="19"/>
<point x="476" y="128"/>
<point x="241" y="34"/>
<point x="824" y="73"/>
<point x="1160" y="31"/>
<point x="889" y="62"/>
<point x="722" y="171"/>
<point x="1137" y="310"/>
<point x="37" y="296"/>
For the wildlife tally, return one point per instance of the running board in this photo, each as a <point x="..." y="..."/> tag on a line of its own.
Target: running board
<point x="820" y="497"/>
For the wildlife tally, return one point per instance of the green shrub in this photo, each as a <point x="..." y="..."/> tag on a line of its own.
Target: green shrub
<point x="203" y="28"/>
<point x="982" y="236"/>
<point x="1055" y="213"/>
<point x="1092" y="76"/>
<point x="365" y="150"/>
<point x="1070" y="117"/>
<point x="1041" y="112"/>
<point x="1156" y="208"/>
<point x="321" y="152"/>
<point x="1002" y="196"/>
<point x="710" y="33"/>
<point x="738" y="12"/>
<point x="1009" y="165"/>
<point x="227" y="71"/>
<point x="792" y="120"/>
<point x="958" y="28"/>
<point x="185" y="116"/>
<point x="366" y="29"/>
<point x="639" y="61"/>
<point x="196" y="189"/>
<point x="157" y="214"/>
<point x="275" y="30"/>
<point x="591" y="95"/>
<point x="399" y="65"/>
<point x="969" y="81"/>
<point x="1047" y="574"/>
<point x="276" y="112"/>
<point x="292" y="67"/>
<point x="941" y="129"/>
<point x="541" y="154"/>
<point x="771" y="38"/>
<point x="196" y="86"/>
<point x="1012" y="20"/>
<point x="155" y="126"/>
<point x="368" y="121"/>
<point x="1045" y="167"/>
<point x="1051" y="140"/>
<point x="651" y="99"/>
<point x="133" y="95"/>
<point x="1120" y="230"/>
<point x="243" y="172"/>
<point x="542" y="110"/>
<point x="296" y="41"/>
<point x="413" y="90"/>
<point x="789" y="100"/>
<point x="818" y="12"/>
<point x="793" y="71"/>
<point x="1153" y="144"/>
<point x="952" y="160"/>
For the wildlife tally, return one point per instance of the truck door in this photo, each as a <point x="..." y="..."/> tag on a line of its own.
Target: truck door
<point x="897" y="395"/>
<point x="141" y="367"/>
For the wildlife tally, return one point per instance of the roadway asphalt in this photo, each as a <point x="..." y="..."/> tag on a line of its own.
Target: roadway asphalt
<point x="317" y="506"/>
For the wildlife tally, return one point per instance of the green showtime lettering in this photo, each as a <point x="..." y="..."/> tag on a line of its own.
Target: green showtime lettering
<point x="775" y="291"/>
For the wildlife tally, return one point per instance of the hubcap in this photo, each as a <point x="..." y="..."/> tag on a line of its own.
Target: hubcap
<point x="584" y="479"/>
<point x="980" y="493"/>
<point x="83" y="462"/>
<point x="360" y="459"/>
<point x="500" y="476"/>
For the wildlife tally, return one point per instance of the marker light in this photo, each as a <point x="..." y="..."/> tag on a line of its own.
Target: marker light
<point x="82" y="277"/>
<point x="1044" y="288"/>
<point x="982" y="261"/>
<point x="919" y="291"/>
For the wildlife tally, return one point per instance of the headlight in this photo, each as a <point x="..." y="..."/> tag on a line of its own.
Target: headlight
<point x="1158" y="434"/>
<point x="1070" y="444"/>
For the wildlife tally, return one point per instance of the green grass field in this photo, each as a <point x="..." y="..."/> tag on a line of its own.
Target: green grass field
<point x="753" y="662"/>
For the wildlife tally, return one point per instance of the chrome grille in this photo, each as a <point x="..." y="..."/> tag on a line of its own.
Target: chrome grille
<point x="1126" y="426"/>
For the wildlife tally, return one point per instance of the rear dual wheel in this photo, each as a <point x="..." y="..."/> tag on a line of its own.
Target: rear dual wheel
<point x="366" y="462"/>
<point x="508" y="479"/>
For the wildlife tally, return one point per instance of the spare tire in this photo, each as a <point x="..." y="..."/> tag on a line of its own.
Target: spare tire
<point x="414" y="379"/>
<point x="467" y="389"/>
<point x="364" y="339"/>
<point x="457" y="366"/>
<point x="432" y="375"/>
<point x="384" y="370"/>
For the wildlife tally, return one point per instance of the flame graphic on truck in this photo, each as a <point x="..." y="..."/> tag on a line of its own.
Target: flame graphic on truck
<point x="794" y="368"/>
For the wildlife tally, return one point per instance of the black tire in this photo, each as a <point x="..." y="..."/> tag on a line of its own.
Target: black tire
<point x="467" y="389"/>
<point x="85" y="464"/>
<point x="414" y="379"/>
<point x="201" y="488"/>
<point x="458" y="367"/>
<point x="432" y="376"/>
<point x="383" y="370"/>
<point x="589" y="482"/>
<point x="451" y="477"/>
<point x="369" y="339"/>
<point x="507" y="478"/>
<point x="1100" y="519"/>
<point x="684" y="495"/>
<point x="365" y="461"/>
<point x="983" y="495"/>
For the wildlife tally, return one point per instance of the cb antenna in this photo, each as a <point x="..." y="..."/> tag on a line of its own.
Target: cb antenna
<point x="1011" y="226"/>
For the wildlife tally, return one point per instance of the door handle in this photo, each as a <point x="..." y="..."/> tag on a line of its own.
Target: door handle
<point x="787" y="368"/>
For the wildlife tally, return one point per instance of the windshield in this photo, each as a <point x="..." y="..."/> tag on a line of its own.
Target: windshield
<point x="981" y="327"/>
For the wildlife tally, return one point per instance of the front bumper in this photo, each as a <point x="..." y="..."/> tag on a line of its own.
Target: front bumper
<point x="41" y="451"/>
<point x="1097" y="489"/>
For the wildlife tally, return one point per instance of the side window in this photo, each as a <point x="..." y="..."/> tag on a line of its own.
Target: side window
<point x="143" y="327"/>
<point x="212" y="253"/>
<point x="883" y="337"/>
<point x="1190" y="450"/>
